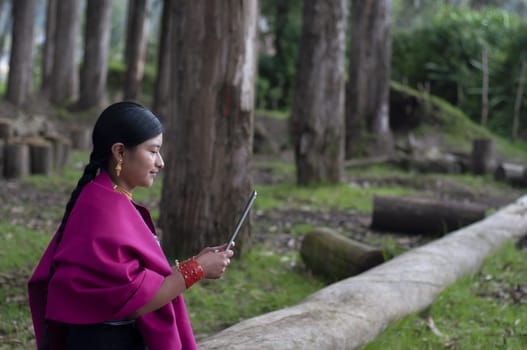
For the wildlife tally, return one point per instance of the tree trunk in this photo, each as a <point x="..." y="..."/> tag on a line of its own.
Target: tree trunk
<point x="422" y="215"/>
<point x="209" y="135"/>
<point x="95" y="64"/>
<point x="135" y="48"/>
<point x="350" y="313"/>
<point x="21" y="60"/>
<point x="484" y="85"/>
<point x="518" y="101"/>
<point x="162" y="88"/>
<point x="49" y="45"/>
<point x="64" y="81"/>
<point x="334" y="257"/>
<point x="367" y="112"/>
<point x="317" y="119"/>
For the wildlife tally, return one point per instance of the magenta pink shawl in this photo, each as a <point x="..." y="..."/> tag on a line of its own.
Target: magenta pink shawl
<point x="108" y="265"/>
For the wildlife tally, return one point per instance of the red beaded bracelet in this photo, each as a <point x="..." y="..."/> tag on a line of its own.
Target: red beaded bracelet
<point x="191" y="271"/>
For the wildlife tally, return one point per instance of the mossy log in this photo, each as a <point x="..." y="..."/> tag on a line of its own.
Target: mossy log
<point x="422" y="215"/>
<point x="334" y="257"/>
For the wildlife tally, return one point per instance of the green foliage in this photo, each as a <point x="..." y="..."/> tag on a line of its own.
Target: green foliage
<point x="277" y="64"/>
<point x="457" y="130"/>
<point x="477" y="312"/>
<point x="445" y="53"/>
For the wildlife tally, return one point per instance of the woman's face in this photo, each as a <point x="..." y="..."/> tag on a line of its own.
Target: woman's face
<point x="142" y="163"/>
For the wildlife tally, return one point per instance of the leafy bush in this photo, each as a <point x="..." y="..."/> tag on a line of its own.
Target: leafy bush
<point x="444" y="55"/>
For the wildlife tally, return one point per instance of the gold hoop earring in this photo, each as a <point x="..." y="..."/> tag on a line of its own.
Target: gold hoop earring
<point x="118" y="167"/>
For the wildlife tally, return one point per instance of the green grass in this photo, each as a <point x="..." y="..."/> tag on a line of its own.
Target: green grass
<point x="21" y="248"/>
<point x="263" y="281"/>
<point x="477" y="312"/>
<point x="322" y="197"/>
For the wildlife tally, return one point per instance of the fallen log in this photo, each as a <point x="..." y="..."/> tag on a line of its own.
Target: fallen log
<point x="352" y="312"/>
<point x="334" y="257"/>
<point x="422" y="215"/>
<point x="511" y="173"/>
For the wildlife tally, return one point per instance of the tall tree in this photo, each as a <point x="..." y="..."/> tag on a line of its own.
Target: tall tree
<point x="367" y="96"/>
<point x="317" y="119"/>
<point x="135" y="48"/>
<point x="20" y="62"/>
<point x="64" y="82"/>
<point x="49" y="45"/>
<point x="162" y="87"/>
<point x="209" y="134"/>
<point x="95" y="63"/>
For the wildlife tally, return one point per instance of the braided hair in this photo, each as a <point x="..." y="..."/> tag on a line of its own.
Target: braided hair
<point x="126" y="122"/>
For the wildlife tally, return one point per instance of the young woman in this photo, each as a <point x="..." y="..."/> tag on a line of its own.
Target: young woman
<point x="104" y="282"/>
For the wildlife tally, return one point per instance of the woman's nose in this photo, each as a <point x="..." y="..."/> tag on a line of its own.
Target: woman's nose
<point x="159" y="162"/>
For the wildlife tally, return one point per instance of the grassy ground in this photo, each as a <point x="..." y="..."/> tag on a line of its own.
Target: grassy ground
<point x="270" y="278"/>
<point x="484" y="311"/>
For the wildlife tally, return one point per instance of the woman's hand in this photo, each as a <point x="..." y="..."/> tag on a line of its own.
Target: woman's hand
<point x="214" y="261"/>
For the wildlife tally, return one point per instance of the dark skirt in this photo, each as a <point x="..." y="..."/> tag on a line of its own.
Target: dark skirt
<point x="100" y="336"/>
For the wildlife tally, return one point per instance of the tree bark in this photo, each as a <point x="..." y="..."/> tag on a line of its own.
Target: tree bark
<point x="49" y="45"/>
<point x="21" y="59"/>
<point x="317" y="119"/>
<point x="422" y="215"/>
<point x="95" y="63"/>
<point x="352" y="312"/>
<point x="367" y="112"/>
<point x="334" y="257"/>
<point x="135" y="48"/>
<point x="209" y="134"/>
<point x="64" y="81"/>
<point x="162" y="88"/>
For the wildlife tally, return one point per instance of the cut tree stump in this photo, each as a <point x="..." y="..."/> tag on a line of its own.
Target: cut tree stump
<point x="483" y="156"/>
<point x="352" y="312"/>
<point x="61" y="149"/>
<point x="334" y="257"/>
<point x="16" y="159"/>
<point x="41" y="156"/>
<point x="6" y="128"/>
<point x="81" y="138"/>
<point x="422" y="215"/>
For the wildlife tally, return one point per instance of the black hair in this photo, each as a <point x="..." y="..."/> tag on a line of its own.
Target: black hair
<point x="127" y="122"/>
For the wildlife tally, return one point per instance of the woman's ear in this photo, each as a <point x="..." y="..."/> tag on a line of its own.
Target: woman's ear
<point x="117" y="151"/>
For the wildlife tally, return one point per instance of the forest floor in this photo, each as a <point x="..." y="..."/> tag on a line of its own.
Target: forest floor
<point x="39" y="208"/>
